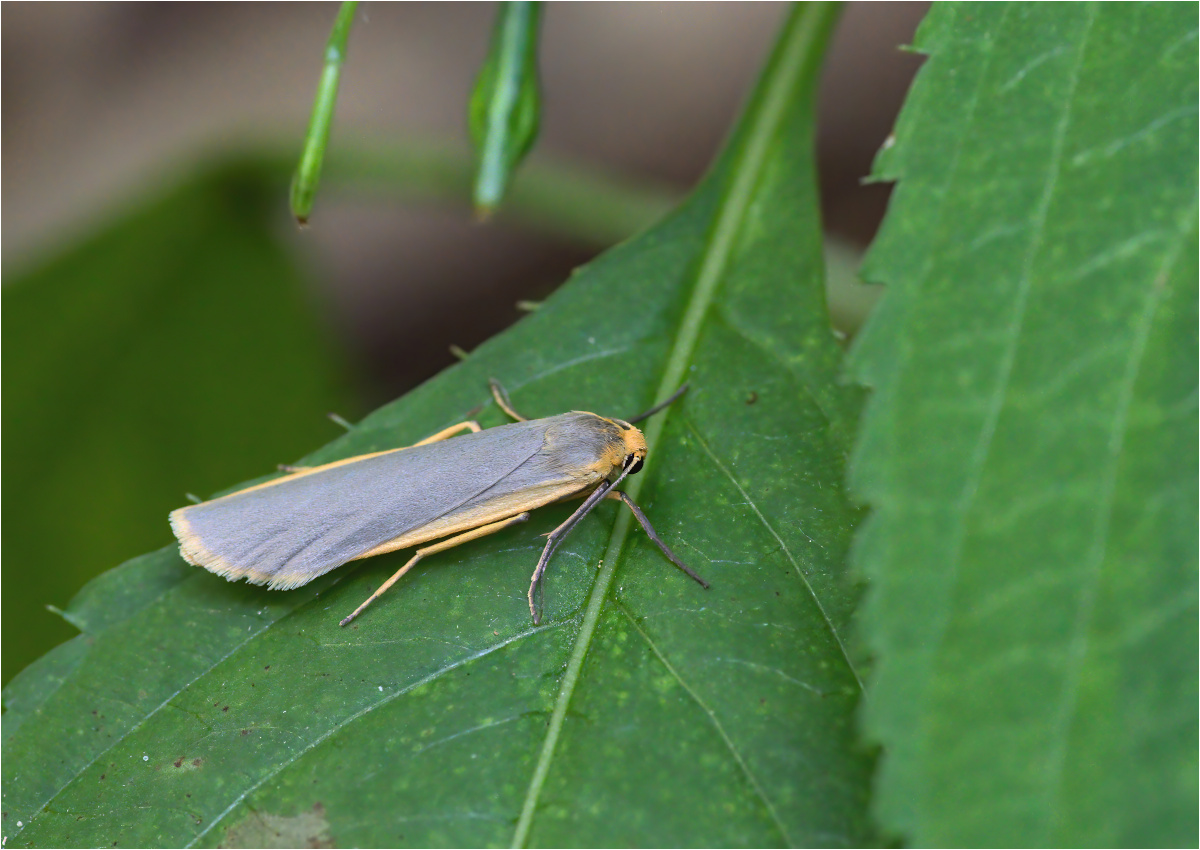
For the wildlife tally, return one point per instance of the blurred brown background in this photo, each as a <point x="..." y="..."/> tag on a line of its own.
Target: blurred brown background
<point x="100" y="101"/>
<point x="105" y="104"/>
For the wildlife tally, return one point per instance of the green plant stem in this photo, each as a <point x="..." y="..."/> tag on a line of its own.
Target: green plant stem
<point x="583" y="204"/>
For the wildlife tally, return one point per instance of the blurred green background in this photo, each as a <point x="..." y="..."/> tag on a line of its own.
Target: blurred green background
<point x="149" y="258"/>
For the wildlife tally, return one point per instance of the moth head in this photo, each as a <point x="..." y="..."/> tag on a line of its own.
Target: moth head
<point x="635" y="447"/>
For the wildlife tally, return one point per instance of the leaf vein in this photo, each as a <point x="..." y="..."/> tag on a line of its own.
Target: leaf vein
<point x="320" y="739"/>
<point x="1077" y="647"/>
<point x="141" y="722"/>
<point x="759" y="791"/>
<point x="772" y="354"/>
<point x="833" y="631"/>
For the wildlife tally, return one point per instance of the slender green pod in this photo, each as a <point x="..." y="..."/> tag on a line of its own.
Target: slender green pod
<point x="505" y="107"/>
<point x="308" y="171"/>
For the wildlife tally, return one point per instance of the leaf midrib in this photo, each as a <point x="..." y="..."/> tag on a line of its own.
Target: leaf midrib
<point x="802" y="30"/>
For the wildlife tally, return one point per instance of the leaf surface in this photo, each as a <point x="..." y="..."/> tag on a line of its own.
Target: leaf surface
<point x="1029" y="452"/>
<point x="644" y="710"/>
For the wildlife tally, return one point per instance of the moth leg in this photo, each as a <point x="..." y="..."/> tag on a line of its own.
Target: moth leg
<point x="645" y="523"/>
<point x="501" y="396"/>
<point x="447" y="433"/>
<point x="337" y="420"/>
<point x="442" y="546"/>
<point x="554" y="538"/>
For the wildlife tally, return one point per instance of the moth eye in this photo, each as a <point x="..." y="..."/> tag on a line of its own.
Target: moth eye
<point x="637" y="464"/>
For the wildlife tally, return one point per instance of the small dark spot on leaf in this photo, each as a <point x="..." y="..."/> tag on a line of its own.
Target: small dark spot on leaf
<point x="245" y="731"/>
<point x="268" y="667"/>
<point x="753" y="397"/>
<point x="188" y="796"/>
<point x="102" y="776"/>
<point x="179" y="762"/>
<point x="197" y="762"/>
<point x="226" y="708"/>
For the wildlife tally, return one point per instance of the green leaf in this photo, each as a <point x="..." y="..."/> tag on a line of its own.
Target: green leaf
<point x="645" y="710"/>
<point x="505" y="108"/>
<point x="118" y="389"/>
<point x="1029" y="451"/>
